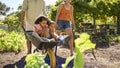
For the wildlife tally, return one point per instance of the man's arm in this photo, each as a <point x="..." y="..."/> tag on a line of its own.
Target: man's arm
<point x="44" y="11"/>
<point x="24" y="8"/>
<point x="22" y="18"/>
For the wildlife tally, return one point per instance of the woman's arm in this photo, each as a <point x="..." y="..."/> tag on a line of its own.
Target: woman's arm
<point x="72" y="19"/>
<point x="58" y="12"/>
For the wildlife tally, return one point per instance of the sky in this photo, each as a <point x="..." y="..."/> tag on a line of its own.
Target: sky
<point x="15" y="3"/>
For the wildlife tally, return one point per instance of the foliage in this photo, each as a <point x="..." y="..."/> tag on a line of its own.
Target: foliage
<point x="82" y="44"/>
<point x="13" y="22"/>
<point x="114" y="37"/>
<point x="54" y="8"/>
<point x="3" y="8"/>
<point x="36" y="60"/>
<point x="11" y="41"/>
<point x="114" y="8"/>
<point x="93" y="11"/>
<point x="53" y="11"/>
<point x="119" y="39"/>
<point x="67" y="61"/>
<point x="78" y="60"/>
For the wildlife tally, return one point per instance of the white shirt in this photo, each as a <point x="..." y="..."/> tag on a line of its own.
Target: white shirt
<point x="33" y="9"/>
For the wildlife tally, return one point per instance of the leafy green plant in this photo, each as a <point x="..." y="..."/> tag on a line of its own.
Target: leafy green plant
<point x="2" y="33"/>
<point x="11" y="41"/>
<point x="67" y="61"/>
<point x="78" y="60"/>
<point x="36" y="60"/>
<point x="118" y="38"/>
<point x="82" y="44"/>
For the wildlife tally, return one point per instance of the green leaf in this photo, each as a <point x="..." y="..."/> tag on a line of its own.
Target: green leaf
<point x="67" y="61"/>
<point x="78" y="60"/>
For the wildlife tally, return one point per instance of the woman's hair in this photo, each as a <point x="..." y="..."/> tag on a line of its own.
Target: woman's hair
<point x="40" y="19"/>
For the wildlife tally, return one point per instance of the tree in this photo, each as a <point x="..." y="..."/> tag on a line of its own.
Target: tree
<point x="114" y="11"/>
<point x="13" y="20"/>
<point x="3" y="8"/>
<point x="53" y="9"/>
<point x="93" y="10"/>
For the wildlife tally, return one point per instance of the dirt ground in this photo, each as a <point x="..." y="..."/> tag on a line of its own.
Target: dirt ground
<point x="106" y="58"/>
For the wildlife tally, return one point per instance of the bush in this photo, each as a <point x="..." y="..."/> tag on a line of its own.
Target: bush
<point x="36" y="60"/>
<point x="11" y="41"/>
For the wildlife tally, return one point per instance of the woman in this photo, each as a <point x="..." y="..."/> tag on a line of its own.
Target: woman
<point x="64" y="19"/>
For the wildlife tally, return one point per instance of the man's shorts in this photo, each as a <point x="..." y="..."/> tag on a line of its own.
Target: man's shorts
<point x="63" y="24"/>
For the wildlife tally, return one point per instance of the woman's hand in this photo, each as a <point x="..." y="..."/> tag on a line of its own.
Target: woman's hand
<point x="74" y="28"/>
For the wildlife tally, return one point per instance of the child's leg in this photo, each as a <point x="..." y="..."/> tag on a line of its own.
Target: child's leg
<point x="43" y="50"/>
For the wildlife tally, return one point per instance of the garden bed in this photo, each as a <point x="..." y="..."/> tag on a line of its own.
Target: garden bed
<point x="106" y="58"/>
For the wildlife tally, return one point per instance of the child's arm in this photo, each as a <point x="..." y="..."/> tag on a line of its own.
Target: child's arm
<point x="38" y="29"/>
<point x="45" y="32"/>
<point x="54" y="35"/>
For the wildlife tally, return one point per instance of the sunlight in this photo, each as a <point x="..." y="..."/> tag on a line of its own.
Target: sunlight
<point x="48" y="2"/>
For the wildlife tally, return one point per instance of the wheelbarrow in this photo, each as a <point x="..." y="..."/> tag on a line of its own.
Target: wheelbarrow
<point x="42" y="43"/>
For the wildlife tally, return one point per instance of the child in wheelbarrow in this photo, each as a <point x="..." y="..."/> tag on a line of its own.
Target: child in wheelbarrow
<point x="41" y="26"/>
<point x="46" y="28"/>
<point x="53" y="34"/>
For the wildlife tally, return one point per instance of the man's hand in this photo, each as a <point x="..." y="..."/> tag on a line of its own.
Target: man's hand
<point x="22" y="23"/>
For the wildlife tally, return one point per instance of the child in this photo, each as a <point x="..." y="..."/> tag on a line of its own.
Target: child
<point x="53" y="34"/>
<point x="41" y="26"/>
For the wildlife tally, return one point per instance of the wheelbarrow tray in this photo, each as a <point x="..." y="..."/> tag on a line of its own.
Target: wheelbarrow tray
<point x="40" y="42"/>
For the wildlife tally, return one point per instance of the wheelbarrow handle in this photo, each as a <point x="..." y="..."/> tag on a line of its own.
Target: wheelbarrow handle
<point x="23" y="28"/>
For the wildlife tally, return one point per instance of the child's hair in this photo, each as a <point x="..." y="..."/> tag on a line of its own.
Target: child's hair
<point x="40" y="19"/>
<point x="50" y="22"/>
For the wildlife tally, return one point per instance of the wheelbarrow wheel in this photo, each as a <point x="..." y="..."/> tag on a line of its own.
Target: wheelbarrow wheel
<point x="52" y="58"/>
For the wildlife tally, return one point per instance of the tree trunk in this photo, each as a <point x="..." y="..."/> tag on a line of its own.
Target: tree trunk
<point x="94" y="23"/>
<point x="118" y="24"/>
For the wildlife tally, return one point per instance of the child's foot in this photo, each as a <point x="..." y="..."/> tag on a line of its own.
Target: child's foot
<point x="60" y="38"/>
<point x="66" y="39"/>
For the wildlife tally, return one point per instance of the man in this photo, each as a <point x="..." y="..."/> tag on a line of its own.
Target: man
<point x="31" y="9"/>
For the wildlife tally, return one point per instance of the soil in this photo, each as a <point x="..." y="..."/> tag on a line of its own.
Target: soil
<point x="105" y="58"/>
